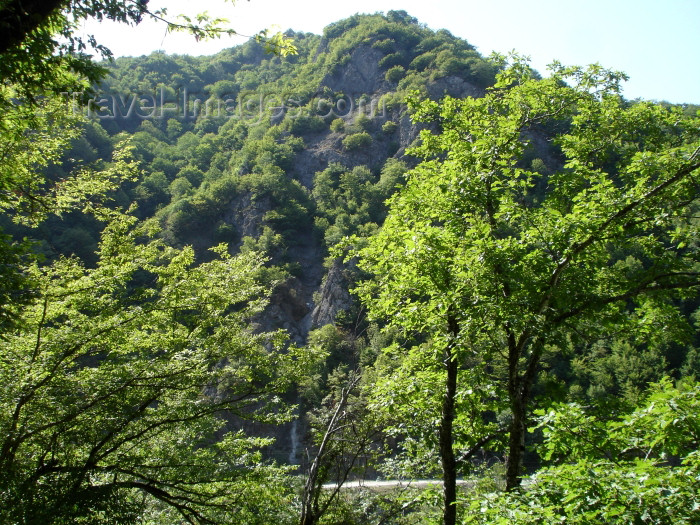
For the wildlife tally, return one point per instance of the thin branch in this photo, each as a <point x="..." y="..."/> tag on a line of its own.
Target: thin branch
<point x="467" y="455"/>
<point x="617" y="216"/>
<point x="648" y="287"/>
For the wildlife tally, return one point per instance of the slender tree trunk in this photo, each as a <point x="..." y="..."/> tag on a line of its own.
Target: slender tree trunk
<point x="309" y="504"/>
<point x="519" y="388"/>
<point x="516" y="443"/>
<point x="447" y="455"/>
<point x="516" y="438"/>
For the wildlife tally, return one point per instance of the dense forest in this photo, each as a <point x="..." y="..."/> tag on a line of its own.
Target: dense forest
<point x="242" y="288"/>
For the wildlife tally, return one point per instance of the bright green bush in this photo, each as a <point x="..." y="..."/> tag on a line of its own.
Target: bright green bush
<point x="611" y="470"/>
<point x="306" y="124"/>
<point x="338" y="125"/>
<point x="357" y="141"/>
<point x="395" y="74"/>
<point x="389" y="127"/>
<point x="423" y="61"/>
<point x="392" y="60"/>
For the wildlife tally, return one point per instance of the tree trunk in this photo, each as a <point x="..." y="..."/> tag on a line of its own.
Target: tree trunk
<point x="516" y="443"/>
<point x="519" y="388"/>
<point x="447" y="455"/>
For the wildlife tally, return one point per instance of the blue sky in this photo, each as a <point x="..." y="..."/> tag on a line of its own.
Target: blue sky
<point x="656" y="42"/>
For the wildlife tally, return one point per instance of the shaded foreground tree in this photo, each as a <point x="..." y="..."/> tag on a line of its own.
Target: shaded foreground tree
<point x="43" y="58"/>
<point x="118" y="382"/>
<point x="317" y="474"/>
<point x="43" y="52"/>
<point x="495" y="262"/>
<point x="636" y="467"/>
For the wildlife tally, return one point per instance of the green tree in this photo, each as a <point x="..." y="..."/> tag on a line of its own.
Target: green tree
<point x="492" y="269"/>
<point x="638" y="467"/>
<point x="389" y="127"/>
<point x="119" y="380"/>
<point x="179" y="187"/>
<point x="36" y="62"/>
<point x="28" y="195"/>
<point x="41" y="58"/>
<point x="394" y="74"/>
<point x="338" y="125"/>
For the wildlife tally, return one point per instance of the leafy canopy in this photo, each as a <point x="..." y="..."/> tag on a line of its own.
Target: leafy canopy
<point x="491" y="261"/>
<point x="615" y="471"/>
<point x="119" y="381"/>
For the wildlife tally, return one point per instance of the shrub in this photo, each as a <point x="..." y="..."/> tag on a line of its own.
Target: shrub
<point x="387" y="45"/>
<point x="306" y="124"/>
<point x="362" y="123"/>
<point x="395" y="74"/>
<point x="338" y="125"/>
<point x="423" y="61"/>
<point x="390" y="101"/>
<point x="389" y="127"/>
<point x="357" y="141"/>
<point x="392" y="60"/>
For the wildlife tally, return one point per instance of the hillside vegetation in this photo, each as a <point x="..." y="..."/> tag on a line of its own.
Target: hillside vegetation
<point x="229" y="281"/>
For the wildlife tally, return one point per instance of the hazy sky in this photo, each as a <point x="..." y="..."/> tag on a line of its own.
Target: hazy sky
<point x="656" y="42"/>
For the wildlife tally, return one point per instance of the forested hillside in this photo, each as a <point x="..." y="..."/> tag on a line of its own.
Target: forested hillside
<point x="230" y="281"/>
<point x="285" y="155"/>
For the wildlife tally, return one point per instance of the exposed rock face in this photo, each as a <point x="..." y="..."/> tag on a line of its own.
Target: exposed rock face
<point x="360" y="75"/>
<point x="288" y="310"/>
<point x="333" y="297"/>
<point x="455" y="87"/>
<point x="246" y="214"/>
<point x="324" y="149"/>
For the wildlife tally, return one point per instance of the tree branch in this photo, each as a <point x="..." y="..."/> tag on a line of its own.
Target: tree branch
<point x="648" y="287"/>
<point x="692" y="165"/>
<point x="480" y="444"/>
<point x="18" y="18"/>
